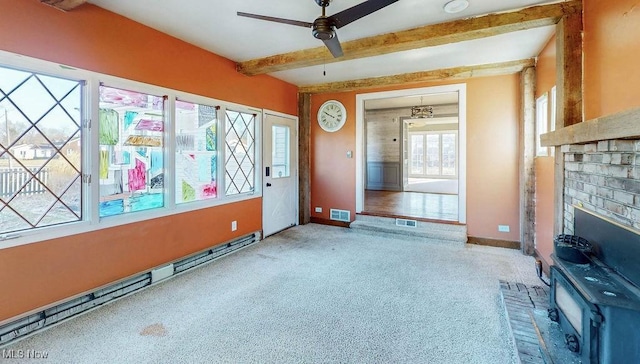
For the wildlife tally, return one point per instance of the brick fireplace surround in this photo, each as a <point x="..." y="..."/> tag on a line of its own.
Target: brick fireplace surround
<point x="603" y="177"/>
<point x="598" y="170"/>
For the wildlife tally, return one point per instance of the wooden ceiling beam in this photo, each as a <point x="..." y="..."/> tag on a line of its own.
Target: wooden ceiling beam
<point x="493" y="69"/>
<point x="426" y="36"/>
<point x="64" y="5"/>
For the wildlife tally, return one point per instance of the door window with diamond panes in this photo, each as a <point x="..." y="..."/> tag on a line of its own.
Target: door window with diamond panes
<point x="40" y="150"/>
<point x="131" y="151"/>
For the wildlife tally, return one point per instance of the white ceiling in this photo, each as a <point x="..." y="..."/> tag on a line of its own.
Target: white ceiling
<point x="214" y="26"/>
<point x="447" y="98"/>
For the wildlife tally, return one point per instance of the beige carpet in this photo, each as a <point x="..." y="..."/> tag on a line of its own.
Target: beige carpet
<point x="310" y="294"/>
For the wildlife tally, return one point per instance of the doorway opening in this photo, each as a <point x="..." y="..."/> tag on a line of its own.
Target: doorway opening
<point x="411" y="153"/>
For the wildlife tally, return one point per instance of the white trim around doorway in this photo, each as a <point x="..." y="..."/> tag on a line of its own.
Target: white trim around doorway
<point x="461" y="89"/>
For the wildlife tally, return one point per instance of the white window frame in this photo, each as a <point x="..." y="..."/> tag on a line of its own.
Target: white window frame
<point x="90" y="152"/>
<point x="542" y="123"/>
<point x="552" y="109"/>
<point x="553" y="112"/>
<point x="95" y="171"/>
<point x="424" y="154"/>
<point x="410" y="149"/>
<point x="257" y="166"/>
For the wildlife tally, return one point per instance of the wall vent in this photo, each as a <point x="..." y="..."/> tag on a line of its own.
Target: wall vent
<point x="341" y="215"/>
<point x="30" y="324"/>
<point x="406" y="223"/>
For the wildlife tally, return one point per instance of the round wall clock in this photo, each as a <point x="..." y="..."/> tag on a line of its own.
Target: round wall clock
<point x="332" y="115"/>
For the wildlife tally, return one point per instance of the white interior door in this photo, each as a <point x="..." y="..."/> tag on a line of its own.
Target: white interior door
<point x="280" y="173"/>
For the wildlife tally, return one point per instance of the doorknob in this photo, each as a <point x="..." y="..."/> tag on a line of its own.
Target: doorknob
<point x="268" y="184"/>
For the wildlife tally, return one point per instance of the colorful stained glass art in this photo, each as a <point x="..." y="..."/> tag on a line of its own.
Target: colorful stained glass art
<point x="108" y="130"/>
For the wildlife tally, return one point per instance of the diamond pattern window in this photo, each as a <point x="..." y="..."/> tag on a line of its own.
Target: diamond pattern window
<point x="40" y="150"/>
<point x="240" y="153"/>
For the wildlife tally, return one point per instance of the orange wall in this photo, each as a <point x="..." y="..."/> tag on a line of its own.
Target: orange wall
<point x="612" y="51"/>
<point x="492" y="156"/>
<point x="546" y="68"/>
<point x="545" y="173"/>
<point x="45" y="272"/>
<point x="95" y="39"/>
<point x="333" y="175"/>
<point x="611" y="85"/>
<point x="493" y="195"/>
<point x="41" y="273"/>
<point x="544" y="166"/>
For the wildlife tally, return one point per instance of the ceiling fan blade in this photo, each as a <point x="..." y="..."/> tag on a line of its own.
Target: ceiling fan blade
<point x="334" y="46"/>
<point x="277" y="20"/>
<point x="359" y="11"/>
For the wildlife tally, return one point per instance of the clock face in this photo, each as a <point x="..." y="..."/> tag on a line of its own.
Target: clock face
<point x="332" y="115"/>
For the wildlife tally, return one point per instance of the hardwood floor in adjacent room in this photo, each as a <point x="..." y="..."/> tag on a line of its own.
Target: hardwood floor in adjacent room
<point x="412" y="204"/>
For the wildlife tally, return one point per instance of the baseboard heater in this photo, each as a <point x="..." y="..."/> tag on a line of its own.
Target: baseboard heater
<point x="224" y="249"/>
<point x="66" y="310"/>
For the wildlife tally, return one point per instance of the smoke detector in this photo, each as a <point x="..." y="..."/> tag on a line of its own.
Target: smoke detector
<point x="455" y="6"/>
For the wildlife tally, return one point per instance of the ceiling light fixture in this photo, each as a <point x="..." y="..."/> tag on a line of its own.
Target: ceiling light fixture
<point x="456" y="6"/>
<point x="421" y="112"/>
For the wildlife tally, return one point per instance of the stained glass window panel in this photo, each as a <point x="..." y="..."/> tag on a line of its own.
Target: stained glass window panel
<point x="131" y="156"/>
<point x="196" y="152"/>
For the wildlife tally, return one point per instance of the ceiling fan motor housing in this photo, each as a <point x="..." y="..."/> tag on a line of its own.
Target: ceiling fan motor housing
<point x="323" y="29"/>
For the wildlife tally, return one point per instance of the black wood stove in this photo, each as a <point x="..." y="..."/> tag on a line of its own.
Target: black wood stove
<point x="596" y="299"/>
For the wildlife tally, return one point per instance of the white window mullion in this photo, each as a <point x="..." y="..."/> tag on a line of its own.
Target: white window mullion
<point x="169" y="153"/>
<point x="424" y="154"/>
<point x="257" y="175"/>
<point x="222" y="152"/>
<point x="440" y="155"/>
<point x="92" y="152"/>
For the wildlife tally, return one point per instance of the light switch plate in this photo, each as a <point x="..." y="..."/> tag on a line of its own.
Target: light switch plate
<point x="318" y="209"/>
<point x="503" y="228"/>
